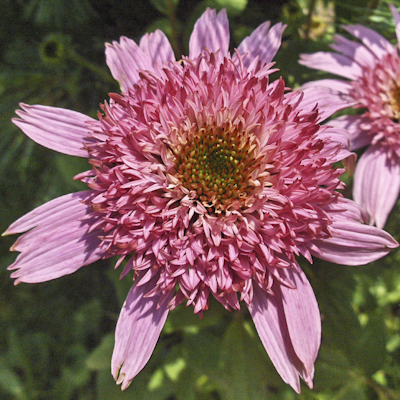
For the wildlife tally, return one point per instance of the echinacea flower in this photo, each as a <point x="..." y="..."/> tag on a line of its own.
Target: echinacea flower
<point x="208" y="179"/>
<point x="373" y="66"/>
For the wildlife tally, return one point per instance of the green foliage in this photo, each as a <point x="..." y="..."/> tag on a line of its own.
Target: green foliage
<point x="57" y="338"/>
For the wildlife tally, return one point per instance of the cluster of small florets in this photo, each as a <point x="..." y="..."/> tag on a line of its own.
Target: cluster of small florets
<point x="210" y="188"/>
<point x="378" y="92"/>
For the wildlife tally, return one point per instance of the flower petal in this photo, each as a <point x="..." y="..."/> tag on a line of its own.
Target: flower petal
<point x="352" y="242"/>
<point x="59" y="243"/>
<point x="396" y="17"/>
<point x="125" y="59"/>
<point x="373" y="40"/>
<point x="352" y="124"/>
<point x="270" y="321"/>
<point x="56" y="128"/>
<point x="331" y="62"/>
<point x="138" y="328"/>
<point x="157" y="47"/>
<point x="354" y="50"/>
<point x="263" y="42"/>
<point x="377" y="183"/>
<point x="338" y="85"/>
<point x="328" y="100"/>
<point x="211" y="31"/>
<point x="303" y="320"/>
<point x="339" y="136"/>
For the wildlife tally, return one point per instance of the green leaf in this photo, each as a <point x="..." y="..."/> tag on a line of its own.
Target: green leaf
<point x="244" y="368"/>
<point x="370" y="349"/>
<point x="10" y="382"/>
<point x="107" y="389"/>
<point x="233" y="7"/>
<point x="167" y="7"/>
<point x="100" y="358"/>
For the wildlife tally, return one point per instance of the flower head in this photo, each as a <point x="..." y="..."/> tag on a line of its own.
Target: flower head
<point x="209" y="180"/>
<point x="373" y="66"/>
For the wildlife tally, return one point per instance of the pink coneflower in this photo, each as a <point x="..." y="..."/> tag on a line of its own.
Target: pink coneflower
<point x="373" y="65"/>
<point x="207" y="179"/>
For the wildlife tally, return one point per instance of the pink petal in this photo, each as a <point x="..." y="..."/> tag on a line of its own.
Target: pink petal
<point x="331" y="62"/>
<point x="373" y="40"/>
<point x="58" y="244"/>
<point x="157" y="47"/>
<point x="343" y="87"/>
<point x="354" y="50"/>
<point x="377" y="183"/>
<point x="211" y="32"/>
<point x="138" y="328"/>
<point x="270" y="321"/>
<point x="339" y="136"/>
<point x="303" y="320"/>
<point x="125" y="59"/>
<point x="396" y="17"/>
<point x="55" y="128"/>
<point x="263" y="42"/>
<point x="352" y="124"/>
<point x="352" y="242"/>
<point x="328" y="100"/>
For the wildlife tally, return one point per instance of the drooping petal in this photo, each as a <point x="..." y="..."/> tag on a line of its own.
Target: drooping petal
<point x="338" y="85"/>
<point x="303" y="320"/>
<point x="331" y="62"/>
<point x="377" y="183"/>
<point x="327" y="100"/>
<point x="354" y="243"/>
<point x="138" y="329"/>
<point x="396" y="17"/>
<point x="270" y="321"/>
<point x="56" y="128"/>
<point x="341" y="136"/>
<point x="354" y="125"/>
<point x="263" y="42"/>
<point x="125" y="59"/>
<point x="157" y="47"/>
<point x="211" y="32"/>
<point x="57" y="242"/>
<point x="373" y="40"/>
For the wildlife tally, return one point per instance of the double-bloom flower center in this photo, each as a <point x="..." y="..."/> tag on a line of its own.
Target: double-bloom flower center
<point x="216" y="163"/>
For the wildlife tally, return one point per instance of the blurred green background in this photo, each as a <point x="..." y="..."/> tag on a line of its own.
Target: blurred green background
<point x="56" y="338"/>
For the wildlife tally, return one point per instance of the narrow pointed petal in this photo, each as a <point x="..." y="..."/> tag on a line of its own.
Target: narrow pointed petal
<point x="57" y="243"/>
<point x="396" y="17"/>
<point x="331" y="62"/>
<point x="138" y="329"/>
<point x="354" y="125"/>
<point x="211" y="32"/>
<point x="56" y="128"/>
<point x="303" y="320"/>
<point x="377" y="183"/>
<point x="125" y="59"/>
<point x="371" y="39"/>
<point x="263" y="42"/>
<point x="270" y="321"/>
<point x="157" y="47"/>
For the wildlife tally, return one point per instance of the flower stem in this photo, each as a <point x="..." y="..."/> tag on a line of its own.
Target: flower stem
<point x="309" y="18"/>
<point x="83" y="62"/>
<point x="174" y="28"/>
